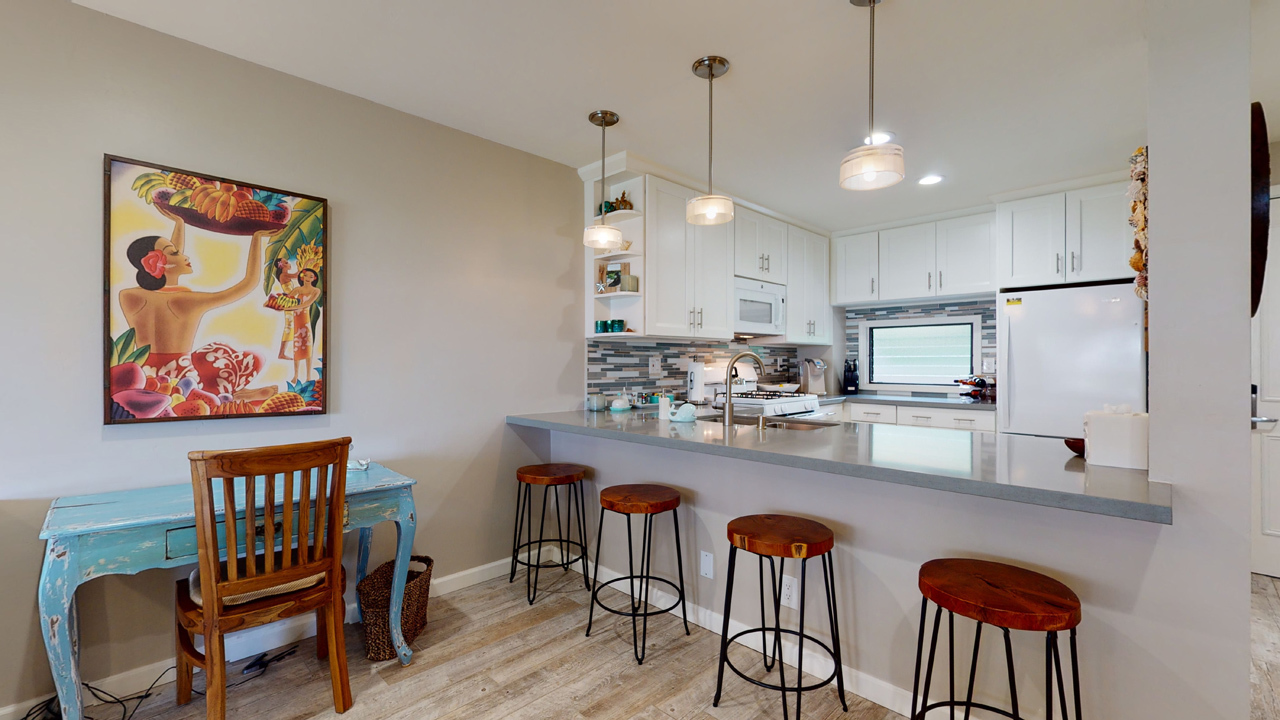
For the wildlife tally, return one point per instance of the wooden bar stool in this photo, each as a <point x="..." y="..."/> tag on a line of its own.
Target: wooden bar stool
<point x="783" y="537"/>
<point x="551" y="477"/>
<point x="649" y="501"/>
<point x="1010" y="598"/>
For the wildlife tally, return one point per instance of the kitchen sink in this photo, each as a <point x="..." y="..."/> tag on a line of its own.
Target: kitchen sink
<point x="776" y="423"/>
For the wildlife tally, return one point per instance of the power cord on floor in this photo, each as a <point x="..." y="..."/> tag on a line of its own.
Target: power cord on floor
<point x="50" y="710"/>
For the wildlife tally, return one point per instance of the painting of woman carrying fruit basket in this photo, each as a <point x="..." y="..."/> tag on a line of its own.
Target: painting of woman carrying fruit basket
<point x="215" y="297"/>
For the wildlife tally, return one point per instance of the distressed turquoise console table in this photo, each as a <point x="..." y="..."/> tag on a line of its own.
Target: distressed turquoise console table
<point x="124" y="533"/>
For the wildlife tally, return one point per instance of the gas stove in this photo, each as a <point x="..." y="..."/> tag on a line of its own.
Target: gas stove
<point x="775" y="404"/>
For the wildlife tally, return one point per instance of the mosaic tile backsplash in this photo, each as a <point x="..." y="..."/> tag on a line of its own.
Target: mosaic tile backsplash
<point x="616" y="366"/>
<point x="985" y="308"/>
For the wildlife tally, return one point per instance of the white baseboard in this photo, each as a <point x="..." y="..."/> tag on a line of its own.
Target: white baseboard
<point x="255" y="641"/>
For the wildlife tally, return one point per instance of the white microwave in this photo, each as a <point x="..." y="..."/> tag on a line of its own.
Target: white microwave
<point x="759" y="308"/>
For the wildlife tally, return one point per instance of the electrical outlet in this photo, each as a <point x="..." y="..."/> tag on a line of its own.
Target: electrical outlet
<point x="708" y="569"/>
<point x="655" y="367"/>
<point x="789" y="598"/>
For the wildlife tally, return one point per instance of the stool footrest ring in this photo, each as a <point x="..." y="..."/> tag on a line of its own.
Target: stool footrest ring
<point x="595" y="596"/>
<point x="764" y="631"/>
<point x="582" y="552"/>
<point x="962" y="704"/>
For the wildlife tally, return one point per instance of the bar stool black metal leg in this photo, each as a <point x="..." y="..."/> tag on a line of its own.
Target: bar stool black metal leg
<point x="515" y="542"/>
<point x="531" y="577"/>
<point x="915" y="688"/>
<point x="829" y="585"/>
<point x="1013" y="685"/>
<point x="560" y="537"/>
<point x="724" y="631"/>
<point x="951" y="663"/>
<point x="640" y="605"/>
<point x="973" y="671"/>
<point x="1075" y="674"/>
<point x="933" y="647"/>
<point x="1048" y="676"/>
<point x="684" y="607"/>
<point x="777" y="633"/>
<point x="582" y="535"/>
<point x="596" y="578"/>
<point x="804" y="568"/>
<point x="776" y="592"/>
<point x="1062" y="688"/>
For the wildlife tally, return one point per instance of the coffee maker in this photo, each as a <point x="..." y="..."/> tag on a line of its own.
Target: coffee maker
<point x="813" y="376"/>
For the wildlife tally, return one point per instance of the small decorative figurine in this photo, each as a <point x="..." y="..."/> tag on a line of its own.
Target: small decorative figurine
<point x="623" y="203"/>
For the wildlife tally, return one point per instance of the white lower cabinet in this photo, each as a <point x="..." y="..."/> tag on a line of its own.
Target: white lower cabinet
<point x="959" y="419"/>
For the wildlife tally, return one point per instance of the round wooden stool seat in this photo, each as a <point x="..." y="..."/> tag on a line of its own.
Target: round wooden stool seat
<point x="551" y="474"/>
<point x="639" y="499"/>
<point x="998" y="594"/>
<point x="783" y="536"/>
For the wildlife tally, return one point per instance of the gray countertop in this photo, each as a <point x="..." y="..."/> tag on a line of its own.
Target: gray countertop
<point x="916" y="400"/>
<point x="1032" y="470"/>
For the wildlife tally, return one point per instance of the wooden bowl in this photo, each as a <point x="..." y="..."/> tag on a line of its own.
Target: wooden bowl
<point x="1075" y="445"/>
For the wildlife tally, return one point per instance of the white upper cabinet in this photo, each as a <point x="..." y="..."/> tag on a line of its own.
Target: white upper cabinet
<point x="688" y="268"/>
<point x="908" y="262"/>
<point x="1031" y="241"/>
<point x="855" y="268"/>
<point x="670" y="308"/>
<point x="808" y="292"/>
<point x="760" y="246"/>
<point x="966" y="248"/>
<point x="1099" y="237"/>
<point x="1076" y="236"/>
<point x="713" y="280"/>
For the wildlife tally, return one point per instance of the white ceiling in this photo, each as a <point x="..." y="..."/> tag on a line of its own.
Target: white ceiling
<point x="995" y="95"/>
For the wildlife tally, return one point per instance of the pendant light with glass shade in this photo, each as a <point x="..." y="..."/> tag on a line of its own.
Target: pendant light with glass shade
<point x="602" y="235"/>
<point x="875" y="165"/>
<point x="709" y="209"/>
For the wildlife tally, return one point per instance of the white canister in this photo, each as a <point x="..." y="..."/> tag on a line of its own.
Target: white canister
<point x="697" y="392"/>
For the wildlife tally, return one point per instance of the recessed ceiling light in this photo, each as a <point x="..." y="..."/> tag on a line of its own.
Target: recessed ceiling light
<point x="878" y="138"/>
<point x="930" y="179"/>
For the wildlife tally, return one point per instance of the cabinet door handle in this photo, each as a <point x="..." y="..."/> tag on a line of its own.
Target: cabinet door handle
<point x="760" y="264"/>
<point x="699" y="317"/>
<point x="930" y="281"/>
<point x="1073" y="261"/>
<point x="691" y="312"/>
<point x="1057" y="263"/>
<point x="873" y="286"/>
<point x="768" y="263"/>
<point x="939" y="279"/>
<point x="968" y="420"/>
<point x="868" y="412"/>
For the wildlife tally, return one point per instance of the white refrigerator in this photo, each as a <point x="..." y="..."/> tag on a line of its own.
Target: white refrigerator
<point x="1063" y="351"/>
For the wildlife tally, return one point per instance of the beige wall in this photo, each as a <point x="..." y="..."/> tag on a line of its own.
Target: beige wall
<point x="455" y="299"/>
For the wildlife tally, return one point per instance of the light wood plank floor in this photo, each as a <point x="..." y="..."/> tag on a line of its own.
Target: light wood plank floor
<point x="1265" y="631"/>
<point x="486" y="653"/>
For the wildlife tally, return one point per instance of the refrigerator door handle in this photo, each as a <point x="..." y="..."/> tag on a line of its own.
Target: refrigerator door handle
<point x="1006" y="406"/>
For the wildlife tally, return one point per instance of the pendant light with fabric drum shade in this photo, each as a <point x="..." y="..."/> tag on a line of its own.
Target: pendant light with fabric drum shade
<point x="874" y="165"/>
<point x="709" y="209"/>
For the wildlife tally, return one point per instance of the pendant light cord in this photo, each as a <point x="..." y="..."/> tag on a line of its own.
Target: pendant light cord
<point x="603" y="207"/>
<point x="871" y="82"/>
<point x="711" y="109"/>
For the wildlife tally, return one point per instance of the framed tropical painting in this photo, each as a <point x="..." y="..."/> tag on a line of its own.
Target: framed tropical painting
<point x="215" y="296"/>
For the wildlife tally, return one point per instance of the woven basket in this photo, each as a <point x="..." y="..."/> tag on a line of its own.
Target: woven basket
<point x="375" y="602"/>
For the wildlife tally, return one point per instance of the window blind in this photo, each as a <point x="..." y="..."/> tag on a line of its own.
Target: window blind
<point x="921" y="354"/>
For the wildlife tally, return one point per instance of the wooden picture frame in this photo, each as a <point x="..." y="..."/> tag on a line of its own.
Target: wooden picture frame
<point x="195" y="327"/>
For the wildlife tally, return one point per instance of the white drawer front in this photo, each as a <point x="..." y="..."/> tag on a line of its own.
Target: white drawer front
<point x="982" y="420"/>
<point x="860" y="412"/>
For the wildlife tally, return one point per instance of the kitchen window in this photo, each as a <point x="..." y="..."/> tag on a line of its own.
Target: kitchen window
<point x="919" y="354"/>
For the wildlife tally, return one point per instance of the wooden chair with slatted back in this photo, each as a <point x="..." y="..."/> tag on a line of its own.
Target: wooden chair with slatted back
<point x="289" y="560"/>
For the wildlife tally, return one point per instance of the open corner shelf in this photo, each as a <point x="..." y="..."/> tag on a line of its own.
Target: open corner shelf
<point x="615" y="336"/>
<point x="617" y="295"/>
<point x="618" y="255"/>
<point x="620" y="215"/>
